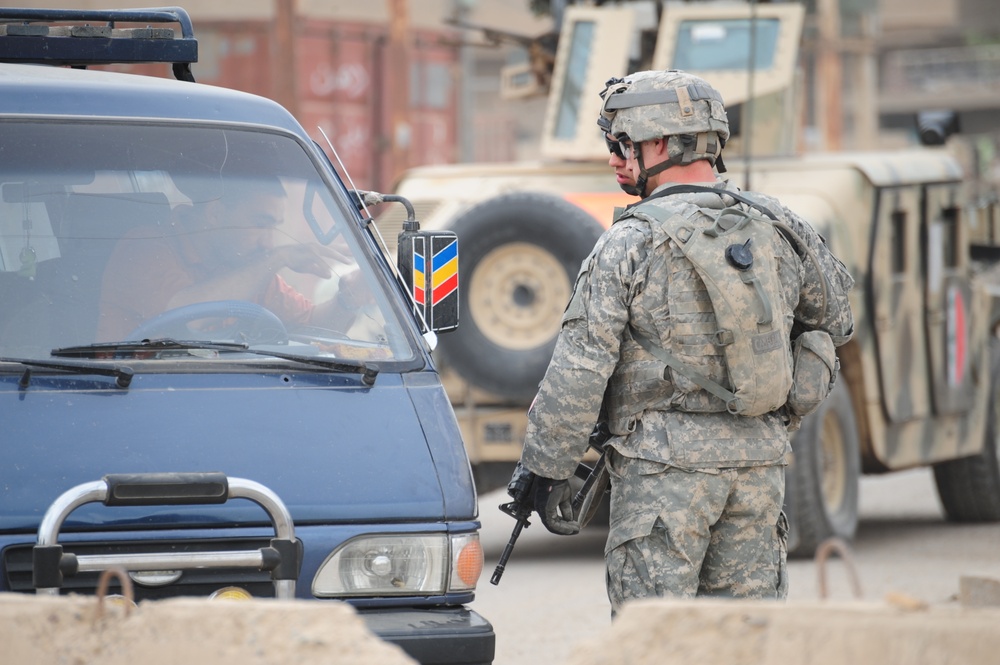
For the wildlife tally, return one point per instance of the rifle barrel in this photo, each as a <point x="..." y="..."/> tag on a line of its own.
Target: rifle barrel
<point x="502" y="563"/>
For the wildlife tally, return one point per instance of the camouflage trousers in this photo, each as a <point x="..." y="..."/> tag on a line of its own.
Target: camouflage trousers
<point x="678" y="533"/>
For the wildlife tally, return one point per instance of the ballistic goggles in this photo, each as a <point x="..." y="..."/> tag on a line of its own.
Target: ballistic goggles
<point x="620" y="147"/>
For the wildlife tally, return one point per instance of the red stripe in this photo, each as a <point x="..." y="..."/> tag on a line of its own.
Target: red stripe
<point x="446" y="289"/>
<point x="959" y="337"/>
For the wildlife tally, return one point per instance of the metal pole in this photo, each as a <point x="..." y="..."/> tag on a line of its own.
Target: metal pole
<point x="284" y="68"/>
<point x="398" y="89"/>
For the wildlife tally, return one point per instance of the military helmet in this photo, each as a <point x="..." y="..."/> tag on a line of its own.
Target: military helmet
<point x="655" y="104"/>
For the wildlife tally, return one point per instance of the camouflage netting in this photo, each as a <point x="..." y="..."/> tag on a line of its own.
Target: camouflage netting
<point x="47" y="631"/>
<point x="653" y="632"/>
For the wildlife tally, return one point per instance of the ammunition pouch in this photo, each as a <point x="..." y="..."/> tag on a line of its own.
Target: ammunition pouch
<point x="814" y="371"/>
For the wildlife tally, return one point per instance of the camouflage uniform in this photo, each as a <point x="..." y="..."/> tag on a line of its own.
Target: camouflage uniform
<point x="696" y="491"/>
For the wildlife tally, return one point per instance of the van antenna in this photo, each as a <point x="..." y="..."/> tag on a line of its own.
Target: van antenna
<point x="343" y="168"/>
<point x="429" y="335"/>
<point x="361" y="199"/>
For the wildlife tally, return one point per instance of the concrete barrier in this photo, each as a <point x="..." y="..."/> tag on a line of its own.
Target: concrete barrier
<point x="654" y="632"/>
<point x="50" y="631"/>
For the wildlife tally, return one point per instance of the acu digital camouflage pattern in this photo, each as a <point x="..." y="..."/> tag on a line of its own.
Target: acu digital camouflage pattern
<point x="613" y="291"/>
<point x="660" y="543"/>
<point x="816" y="368"/>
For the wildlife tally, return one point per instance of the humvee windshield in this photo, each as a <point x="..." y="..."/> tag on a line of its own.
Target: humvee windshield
<point x="575" y="79"/>
<point x="129" y="231"/>
<point x="713" y="45"/>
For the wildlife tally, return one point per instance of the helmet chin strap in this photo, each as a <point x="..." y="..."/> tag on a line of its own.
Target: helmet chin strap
<point x="689" y="147"/>
<point x="639" y="188"/>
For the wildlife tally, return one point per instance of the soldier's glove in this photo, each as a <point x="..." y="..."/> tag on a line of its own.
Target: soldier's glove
<point x="554" y="504"/>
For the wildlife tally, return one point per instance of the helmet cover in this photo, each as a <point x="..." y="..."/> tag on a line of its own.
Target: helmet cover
<point x="655" y="104"/>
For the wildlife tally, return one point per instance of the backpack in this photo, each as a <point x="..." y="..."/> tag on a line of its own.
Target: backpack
<point x="763" y="371"/>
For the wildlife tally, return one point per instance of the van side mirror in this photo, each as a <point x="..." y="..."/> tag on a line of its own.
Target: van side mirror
<point x="428" y="264"/>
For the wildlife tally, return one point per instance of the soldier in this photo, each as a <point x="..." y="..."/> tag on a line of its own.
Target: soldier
<point x="699" y="420"/>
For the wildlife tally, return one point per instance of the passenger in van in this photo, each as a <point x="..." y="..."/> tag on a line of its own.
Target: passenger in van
<point x="223" y="248"/>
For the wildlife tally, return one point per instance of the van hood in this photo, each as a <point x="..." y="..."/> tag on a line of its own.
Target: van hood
<point x="334" y="449"/>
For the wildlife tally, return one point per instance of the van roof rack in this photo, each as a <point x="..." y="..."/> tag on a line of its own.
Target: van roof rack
<point x="25" y="37"/>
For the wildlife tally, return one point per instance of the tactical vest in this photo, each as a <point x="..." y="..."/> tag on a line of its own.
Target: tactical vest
<point x="724" y="337"/>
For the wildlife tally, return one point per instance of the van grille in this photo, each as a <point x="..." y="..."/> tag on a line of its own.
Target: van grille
<point x="198" y="582"/>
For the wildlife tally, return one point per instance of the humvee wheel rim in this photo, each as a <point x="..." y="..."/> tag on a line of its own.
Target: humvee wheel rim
<point x="833" y="465"/>
<point x="517" y="295"/>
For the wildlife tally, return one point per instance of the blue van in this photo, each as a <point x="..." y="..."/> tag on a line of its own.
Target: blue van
<point x="212" y="380"/>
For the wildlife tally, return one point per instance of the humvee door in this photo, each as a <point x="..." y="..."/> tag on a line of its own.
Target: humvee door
<point x="594" y="45"/>
<point x="898" y="286"/>
<point x="923" y="303"/>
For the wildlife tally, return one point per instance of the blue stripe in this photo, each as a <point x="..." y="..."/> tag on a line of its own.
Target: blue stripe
<point x="445" y="255"/>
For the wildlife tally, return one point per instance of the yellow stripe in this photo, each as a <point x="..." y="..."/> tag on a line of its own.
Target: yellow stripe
<point x="444" y="273"/>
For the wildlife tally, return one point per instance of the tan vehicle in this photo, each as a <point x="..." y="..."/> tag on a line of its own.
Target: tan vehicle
<point x="917" y="381"/>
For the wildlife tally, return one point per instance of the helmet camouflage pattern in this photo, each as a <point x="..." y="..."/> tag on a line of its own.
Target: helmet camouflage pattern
<point x="655" y="104"/>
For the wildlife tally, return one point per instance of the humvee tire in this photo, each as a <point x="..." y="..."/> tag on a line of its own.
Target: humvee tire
<point x="969" y="488"/>
<point x="825" y="475"/>
<point x="521" y="253"/>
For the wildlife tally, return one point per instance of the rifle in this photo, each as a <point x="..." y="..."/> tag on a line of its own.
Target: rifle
<point x="520" y="509"/>
<point x="521" y="490"/>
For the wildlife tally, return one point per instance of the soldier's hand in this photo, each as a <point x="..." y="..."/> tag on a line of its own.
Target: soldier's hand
<point x="520" y="483"/>
<point x="554" y="504"/>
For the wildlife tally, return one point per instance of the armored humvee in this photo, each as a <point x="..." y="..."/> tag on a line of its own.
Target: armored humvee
<point x="917" y="385"/>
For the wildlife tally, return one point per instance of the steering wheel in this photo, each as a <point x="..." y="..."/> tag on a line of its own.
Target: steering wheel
<point x="238" y="320"/>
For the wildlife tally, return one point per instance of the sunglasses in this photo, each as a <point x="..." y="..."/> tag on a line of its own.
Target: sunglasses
<point x="619" y="147"/>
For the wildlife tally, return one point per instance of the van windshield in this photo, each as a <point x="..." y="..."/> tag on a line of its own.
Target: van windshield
<point x="117" y="232"/>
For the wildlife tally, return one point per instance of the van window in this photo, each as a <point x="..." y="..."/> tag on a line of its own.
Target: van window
<point x="104" y="229"/>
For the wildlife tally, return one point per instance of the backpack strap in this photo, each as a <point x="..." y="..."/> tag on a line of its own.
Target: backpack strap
<point x="697" y="377"/>
<point x="799" y="245"/>
<point x="696" y="189"/>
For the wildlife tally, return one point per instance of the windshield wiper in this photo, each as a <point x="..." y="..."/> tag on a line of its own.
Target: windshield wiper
<point x="123" y="375"/>
<point x="166" y="344"/>
<point x="368" y="372"/>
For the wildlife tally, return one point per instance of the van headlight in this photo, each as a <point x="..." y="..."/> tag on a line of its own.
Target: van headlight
<point x="410" y="564"/>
